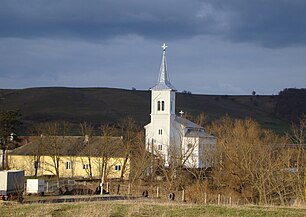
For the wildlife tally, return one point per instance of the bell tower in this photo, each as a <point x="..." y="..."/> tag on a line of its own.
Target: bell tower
<point x="162" y="110"/>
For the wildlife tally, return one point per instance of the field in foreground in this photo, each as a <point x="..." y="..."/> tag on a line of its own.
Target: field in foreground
<point x="137" y="208"/>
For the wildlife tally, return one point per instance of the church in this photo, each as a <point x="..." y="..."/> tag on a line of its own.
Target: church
<point x="172" y="138"/>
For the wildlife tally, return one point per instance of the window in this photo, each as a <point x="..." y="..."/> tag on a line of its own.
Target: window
<point x="163" y="106"/>
<point x="160" y="132"/>
<point x="117" y="167"/>
<point x="160" y="147"/>
<point x="158" y="106"/>
<point x="68" y="165"/>
<point x="148" y="144"/>
<point x="85" y="166"/>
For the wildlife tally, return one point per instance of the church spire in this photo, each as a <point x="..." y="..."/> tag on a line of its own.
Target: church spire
<point x="163" y="77"/>
<point x="163" y="82"/>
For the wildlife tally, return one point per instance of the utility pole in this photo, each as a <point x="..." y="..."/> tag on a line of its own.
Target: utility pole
<point x="152" y="159"/>
<point x="3" y="145"/>
<point x="103" y="177"/>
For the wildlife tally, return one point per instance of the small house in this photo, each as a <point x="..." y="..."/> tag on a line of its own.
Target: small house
<point x="71" y="157"/>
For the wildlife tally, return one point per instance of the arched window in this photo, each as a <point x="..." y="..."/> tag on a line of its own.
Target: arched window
<point x="160" y="132"/>
<point x="163" y="106"/>
<point x="158" y="106"/>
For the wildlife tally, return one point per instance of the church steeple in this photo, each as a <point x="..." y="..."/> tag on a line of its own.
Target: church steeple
<point x="163" y="82"/>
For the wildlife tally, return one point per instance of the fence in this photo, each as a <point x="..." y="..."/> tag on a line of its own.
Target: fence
<point x="152" y="192"/>
<point x="163" y="193"/>
<point x="54" y="186"/>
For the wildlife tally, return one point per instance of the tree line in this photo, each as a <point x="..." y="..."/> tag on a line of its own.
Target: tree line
<point x="291" y="104"/>
<point x="253" y="163"/>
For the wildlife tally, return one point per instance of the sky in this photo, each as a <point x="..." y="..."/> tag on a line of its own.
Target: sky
<point x="214" y="46"/>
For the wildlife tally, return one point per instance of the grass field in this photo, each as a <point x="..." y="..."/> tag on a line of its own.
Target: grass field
<point x="142" y="208"/>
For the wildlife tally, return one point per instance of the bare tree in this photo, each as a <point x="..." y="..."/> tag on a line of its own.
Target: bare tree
<point x="298" y="137"/>
<point x="55" y="138"/>
<point x="201" y="119"/>
<point x="87" y="132"/>
<point x="249" y="161"/>
<point x="37" y="152"/>
<point x="105" y="150"/>
<point x="9" y="120"/>
<point x="132" y="140"/>
<point x="140" y="161"/>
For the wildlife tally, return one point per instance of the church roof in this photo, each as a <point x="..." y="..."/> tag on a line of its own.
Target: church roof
<point x="192" y="129"/>
<point x="187" y="123"/>
<point x="72" y="146"/>
<point x="163" y="82"/>
<point x="198" y="133"/>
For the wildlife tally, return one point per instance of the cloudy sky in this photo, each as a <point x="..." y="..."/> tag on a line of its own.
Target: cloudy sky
<point x="214" y="46"/>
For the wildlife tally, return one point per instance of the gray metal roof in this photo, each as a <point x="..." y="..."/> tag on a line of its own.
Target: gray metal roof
<point x="163" y="82"/>
<point x="187" y="123"/>
<point x="192" y="129"/>
<point x="72" y="146"/>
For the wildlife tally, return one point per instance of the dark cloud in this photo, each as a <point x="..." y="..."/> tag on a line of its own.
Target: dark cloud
<point x="215" y="46"/>
<point x="273" y="23"/>
<point x="97" y="19"/>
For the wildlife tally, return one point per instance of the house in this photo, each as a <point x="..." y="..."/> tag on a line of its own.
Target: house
<point x="175" y="139"/>
<point x="71" y="157"/>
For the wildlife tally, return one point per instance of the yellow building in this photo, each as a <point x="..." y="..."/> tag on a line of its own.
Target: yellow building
<point x="71" y="157"/>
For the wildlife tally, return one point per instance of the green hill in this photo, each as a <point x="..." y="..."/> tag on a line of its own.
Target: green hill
<point x="108" y="105"/>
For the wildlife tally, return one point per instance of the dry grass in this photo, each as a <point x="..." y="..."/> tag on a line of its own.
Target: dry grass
<point x="144" y="208"/>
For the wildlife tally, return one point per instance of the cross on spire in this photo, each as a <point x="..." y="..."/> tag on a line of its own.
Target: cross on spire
<point x="164" y="47"/>
<point x="163" y="82"/>
<point x="181" y="113"/>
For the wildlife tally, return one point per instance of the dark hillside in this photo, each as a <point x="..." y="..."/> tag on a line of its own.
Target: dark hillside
<point x="107" y="105"/>
<point x="95" y="105"/>
<point x="260" y="108"/>
<point x="291" y="104"/>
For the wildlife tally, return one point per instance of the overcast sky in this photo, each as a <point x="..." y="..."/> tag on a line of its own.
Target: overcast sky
<point x="214" y="46"/>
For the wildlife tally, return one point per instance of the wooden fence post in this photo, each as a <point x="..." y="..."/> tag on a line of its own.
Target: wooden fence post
<point x="183" y="196"/>
<point x="107" y="187"/>
<point x="129" y="189"/>
<point x="205" y="198"/>
<point x="219" y="198"/>
<point x="118" y="189"/>
<point x="157" y="192"/>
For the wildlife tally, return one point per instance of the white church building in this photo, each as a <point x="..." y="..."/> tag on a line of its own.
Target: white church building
<point x="172" y="138"/>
